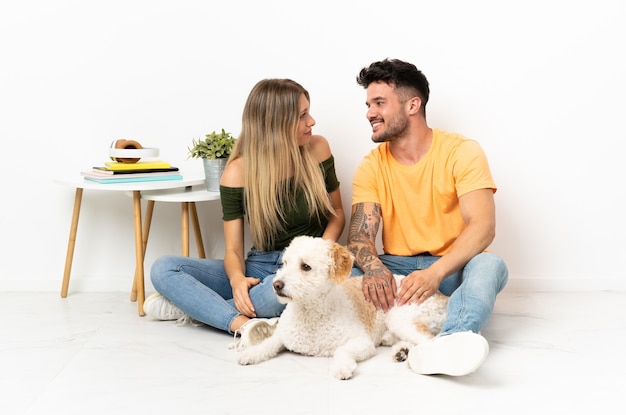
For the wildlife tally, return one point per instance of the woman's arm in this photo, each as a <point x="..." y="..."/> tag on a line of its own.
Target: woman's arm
<point x="234" y="260"/>
<point x="334" y="229"/>
<point x="234" y="242"/>
<point x="235" y="267"/>
<point x="336" y="222"/>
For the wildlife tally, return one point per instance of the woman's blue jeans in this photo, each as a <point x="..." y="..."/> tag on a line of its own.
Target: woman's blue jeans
<point x="472" y="289"/>
<point x="201" y="289"/>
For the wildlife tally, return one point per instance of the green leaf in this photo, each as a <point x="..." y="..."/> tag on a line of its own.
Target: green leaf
<point x="213" y="146"/>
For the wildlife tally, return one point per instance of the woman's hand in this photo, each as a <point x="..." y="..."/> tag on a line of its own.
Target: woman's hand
<point x="241" y="295"/>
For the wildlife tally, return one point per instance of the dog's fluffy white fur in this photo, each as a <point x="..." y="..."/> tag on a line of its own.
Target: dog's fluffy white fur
<point x="327" y="315"/>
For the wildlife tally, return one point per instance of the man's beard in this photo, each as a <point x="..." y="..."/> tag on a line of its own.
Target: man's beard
<point x="392" y="129"/>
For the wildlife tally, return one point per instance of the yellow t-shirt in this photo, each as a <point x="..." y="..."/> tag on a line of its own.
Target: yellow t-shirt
<point x="420" y="203"/>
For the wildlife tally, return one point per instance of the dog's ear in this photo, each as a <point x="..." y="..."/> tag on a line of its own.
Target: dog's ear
<point x="342" y="263"/>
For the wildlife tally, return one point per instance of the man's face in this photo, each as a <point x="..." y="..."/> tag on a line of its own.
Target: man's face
<point x="386" y="113"/>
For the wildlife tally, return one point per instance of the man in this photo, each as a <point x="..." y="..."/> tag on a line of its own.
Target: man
<point x="432" y="191"/>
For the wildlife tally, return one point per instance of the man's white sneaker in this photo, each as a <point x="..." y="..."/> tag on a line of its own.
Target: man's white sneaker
<point x="160" y="308"/>
<point x="253" y="332"/>
<point x="456" y="354"/>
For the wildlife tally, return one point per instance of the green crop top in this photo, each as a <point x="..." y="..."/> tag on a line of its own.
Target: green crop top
<point x="299" y="221"/>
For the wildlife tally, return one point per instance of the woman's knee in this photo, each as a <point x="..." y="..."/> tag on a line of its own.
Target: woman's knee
<point x="161" y="267"/>
<point x="265" y="300"/>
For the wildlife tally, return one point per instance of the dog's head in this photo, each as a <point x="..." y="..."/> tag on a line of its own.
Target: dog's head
<point x="311" y="266"/>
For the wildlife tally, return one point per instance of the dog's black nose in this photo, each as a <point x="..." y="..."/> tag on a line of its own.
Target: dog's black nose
<point x="278" y="285"/>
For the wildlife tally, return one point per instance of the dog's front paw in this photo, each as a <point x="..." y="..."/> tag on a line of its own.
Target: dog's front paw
<point x="400" y="351"/>
<point x="260" y="352"/>
<point x="248" y="357"/>
<point x="343" y="369"/>
<point x="251" y="356"/>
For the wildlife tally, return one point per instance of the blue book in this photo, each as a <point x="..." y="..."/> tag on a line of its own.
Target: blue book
<point x="114" y="179"/>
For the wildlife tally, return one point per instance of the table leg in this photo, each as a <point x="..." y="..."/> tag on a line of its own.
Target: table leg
<point x="196" y="229"/>
<point x="139" y="252"/>
<point x="185" y="227"/>
<point x="71" y="242"/>
<point x="146" y="232"/>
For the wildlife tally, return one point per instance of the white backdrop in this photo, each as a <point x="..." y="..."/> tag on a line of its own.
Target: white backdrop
<point x="540" y="84"/>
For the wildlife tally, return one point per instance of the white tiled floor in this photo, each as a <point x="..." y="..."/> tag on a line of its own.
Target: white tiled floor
<point x="551" y="353"/>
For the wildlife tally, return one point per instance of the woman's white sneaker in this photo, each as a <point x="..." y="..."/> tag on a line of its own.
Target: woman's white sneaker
<point x="254" y="331"/>
<point x="456" y="354"/>
<point x="160" y="308"/>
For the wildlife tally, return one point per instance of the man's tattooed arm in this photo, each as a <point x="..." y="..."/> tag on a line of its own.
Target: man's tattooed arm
<point x="378" y="285"/>
<point x="364" y="225"/>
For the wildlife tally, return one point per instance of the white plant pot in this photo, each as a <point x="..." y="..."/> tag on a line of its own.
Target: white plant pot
<point x="213" y="170"/>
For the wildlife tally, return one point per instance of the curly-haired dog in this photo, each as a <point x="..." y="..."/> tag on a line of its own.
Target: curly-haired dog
<point x="327" y="315"/>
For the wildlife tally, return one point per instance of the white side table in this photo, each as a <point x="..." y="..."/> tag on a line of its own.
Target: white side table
<point x="136" y="188"/>
<point x="187" y="197"/>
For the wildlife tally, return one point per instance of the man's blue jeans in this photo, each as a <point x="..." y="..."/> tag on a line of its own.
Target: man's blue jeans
<point x="472" y="289"/>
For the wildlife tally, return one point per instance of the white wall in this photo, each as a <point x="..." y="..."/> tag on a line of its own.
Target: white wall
<point x="540" y="84"/>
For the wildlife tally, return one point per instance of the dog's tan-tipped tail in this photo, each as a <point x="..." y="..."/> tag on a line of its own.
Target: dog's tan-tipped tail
<point x="342" y="263"/>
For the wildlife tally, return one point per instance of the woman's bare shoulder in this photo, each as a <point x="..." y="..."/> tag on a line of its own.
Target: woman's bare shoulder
<point x="320" y="147"/>
<point x="233" y="175"/>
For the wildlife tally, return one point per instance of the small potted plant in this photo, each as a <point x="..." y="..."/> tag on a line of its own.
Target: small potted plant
<point x="214" y="151"/>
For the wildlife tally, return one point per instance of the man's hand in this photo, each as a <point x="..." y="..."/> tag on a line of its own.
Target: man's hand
<point x="379" y="288"/>
<point x="417" y="287"/>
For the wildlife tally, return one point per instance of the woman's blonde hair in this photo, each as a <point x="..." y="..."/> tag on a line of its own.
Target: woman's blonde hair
<point x="275" y="165"/>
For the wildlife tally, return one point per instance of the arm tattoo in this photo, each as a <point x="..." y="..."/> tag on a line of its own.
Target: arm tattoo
<point x="362" y="235"/>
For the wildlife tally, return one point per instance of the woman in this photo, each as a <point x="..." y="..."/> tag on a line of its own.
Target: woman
<point x="282" y="179"/>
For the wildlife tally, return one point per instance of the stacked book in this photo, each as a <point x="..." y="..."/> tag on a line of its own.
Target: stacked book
<point x="141" y="171"/>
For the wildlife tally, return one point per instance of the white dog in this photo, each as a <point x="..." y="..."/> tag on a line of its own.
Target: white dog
<point x="327" y="315"/>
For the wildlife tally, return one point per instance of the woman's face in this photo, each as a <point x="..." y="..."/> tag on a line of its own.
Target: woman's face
<point x="305" y="123"/>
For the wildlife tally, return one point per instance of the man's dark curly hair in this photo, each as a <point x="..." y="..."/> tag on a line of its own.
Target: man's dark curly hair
<point x="403" y="76"/>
